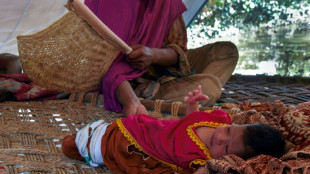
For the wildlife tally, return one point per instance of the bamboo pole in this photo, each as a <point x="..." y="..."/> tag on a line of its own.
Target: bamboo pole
<point x="167" y="107"/>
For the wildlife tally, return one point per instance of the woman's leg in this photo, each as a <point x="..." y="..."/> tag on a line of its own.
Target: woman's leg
<point x="213" y="64"/>
<point x="218" y="59"/>
<point x="177" y="89"/>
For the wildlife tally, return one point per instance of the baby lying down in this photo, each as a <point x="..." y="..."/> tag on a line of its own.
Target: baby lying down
<point x="143" y="144"/>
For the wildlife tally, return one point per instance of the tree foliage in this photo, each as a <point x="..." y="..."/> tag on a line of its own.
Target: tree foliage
<point x="272" y="31"/>
<point x="219" y="15"/>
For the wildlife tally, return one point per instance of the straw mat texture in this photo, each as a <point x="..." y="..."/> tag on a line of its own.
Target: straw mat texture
<point x="31" y="132"/>
<point x="266" y="89"/>
<point x="241" y="89"/>
<point x="69" y="55"/>
<point x="31" y="135"/>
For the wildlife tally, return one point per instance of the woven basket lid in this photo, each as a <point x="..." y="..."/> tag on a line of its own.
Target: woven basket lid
<point x="68" y="55"/>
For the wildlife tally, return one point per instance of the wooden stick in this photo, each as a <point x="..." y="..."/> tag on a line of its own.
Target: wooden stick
<point x="82" y="10"/>
<point x="167" y="107"/>
<point x="149" y="104"/>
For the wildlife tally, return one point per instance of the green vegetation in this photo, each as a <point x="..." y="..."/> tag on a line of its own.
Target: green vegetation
<point x="272" y="31"/>
<point x="244" y="14"/>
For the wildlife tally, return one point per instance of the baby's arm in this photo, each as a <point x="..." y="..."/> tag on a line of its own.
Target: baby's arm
<point x="193" y="99"/>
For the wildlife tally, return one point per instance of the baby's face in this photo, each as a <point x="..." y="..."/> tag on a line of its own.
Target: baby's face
<point x="227" y="140"/>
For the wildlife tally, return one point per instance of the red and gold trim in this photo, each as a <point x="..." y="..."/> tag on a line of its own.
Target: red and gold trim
<point x="135" y="143"/>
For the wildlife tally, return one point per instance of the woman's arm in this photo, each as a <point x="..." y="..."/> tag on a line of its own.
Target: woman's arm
<point x="193" y="99"/>
<point x="172" y="55"/>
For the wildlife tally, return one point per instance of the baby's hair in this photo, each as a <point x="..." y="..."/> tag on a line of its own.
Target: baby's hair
<point x="263" y="139"/>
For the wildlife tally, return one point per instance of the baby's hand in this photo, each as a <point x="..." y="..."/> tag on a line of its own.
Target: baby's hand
<point x="193" y="99"/>
<point x="195" y="96"/>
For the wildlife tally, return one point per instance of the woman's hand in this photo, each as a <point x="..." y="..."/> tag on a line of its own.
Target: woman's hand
<point x="141" y="57"/>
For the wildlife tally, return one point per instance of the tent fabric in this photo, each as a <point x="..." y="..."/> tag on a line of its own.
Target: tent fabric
<point x="20" y="17"/>
<point x="193" y="8"/>
<point x="26" y="17"/>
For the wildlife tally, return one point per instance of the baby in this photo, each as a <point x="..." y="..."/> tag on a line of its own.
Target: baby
<point x="143" y="144"/>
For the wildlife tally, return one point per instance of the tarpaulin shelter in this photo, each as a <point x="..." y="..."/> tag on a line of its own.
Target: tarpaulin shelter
<point x="31" y="132"/>
<point x="28" y="16"/>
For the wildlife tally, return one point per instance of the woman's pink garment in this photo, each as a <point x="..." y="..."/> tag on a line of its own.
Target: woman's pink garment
<point x="175" y="142"/>
<point x="144" y="22"/>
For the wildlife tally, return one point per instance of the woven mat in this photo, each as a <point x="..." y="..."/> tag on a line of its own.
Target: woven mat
<point x="31" y="132"/>
<point x="249" y="88"/>
<point x="266" y="89"/>
<point x="31" y="135"/>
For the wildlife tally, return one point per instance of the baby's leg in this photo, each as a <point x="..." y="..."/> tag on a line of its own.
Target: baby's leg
<point x="86" y="144"/>
<point x="69" y="148"/>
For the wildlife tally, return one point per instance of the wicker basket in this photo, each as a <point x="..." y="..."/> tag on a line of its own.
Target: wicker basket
<point x="69" y="55"/>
